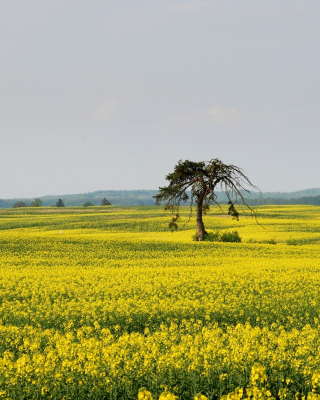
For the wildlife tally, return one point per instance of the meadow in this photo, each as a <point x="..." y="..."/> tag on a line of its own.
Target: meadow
<point x="107" y="303"/>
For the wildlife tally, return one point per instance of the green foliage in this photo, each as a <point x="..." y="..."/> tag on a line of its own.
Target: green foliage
<point x="232" y="211"/>
<point x="213" y="237"/>
<point x="88" y="204"/>
<point x="231" y="237"/>
<point x="59" y="203"/>
<point x="205" y="207"/>
<point x="36" y="203"/>
<point x="217" y="237"/>
<point x="105" y="202"/>
<point x="19" y="204"/>
<point x="173" y="223"/>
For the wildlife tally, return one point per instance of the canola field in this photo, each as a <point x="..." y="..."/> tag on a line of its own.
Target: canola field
<point x="107" y="303"/>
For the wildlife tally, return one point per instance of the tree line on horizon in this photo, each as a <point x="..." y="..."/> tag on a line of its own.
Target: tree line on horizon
<point x="60" y="203"/>
<point x="144" y="198"/>
<point x="306" y="200"/>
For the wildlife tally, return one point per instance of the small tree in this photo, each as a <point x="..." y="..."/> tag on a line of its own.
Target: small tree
<point x="88" y="204"/>
<point x="202" y="179"/>
<point x="59" y="203"/>
<point x="19" y="204"/>
<point x="105" y="202"/>
<point x="36" y="203"/>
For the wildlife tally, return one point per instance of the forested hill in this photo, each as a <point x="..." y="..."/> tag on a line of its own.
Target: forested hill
<point x="308" y="196"/>
<point x="116" y="197"/>
<point x="144" y="197"/>
<point x="311" y="200"/>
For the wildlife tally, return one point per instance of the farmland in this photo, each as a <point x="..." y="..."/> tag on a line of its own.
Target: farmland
<point x="101" y="302"/>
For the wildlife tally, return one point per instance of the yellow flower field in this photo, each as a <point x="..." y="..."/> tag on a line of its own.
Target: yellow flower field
<point x="107" y="303"/>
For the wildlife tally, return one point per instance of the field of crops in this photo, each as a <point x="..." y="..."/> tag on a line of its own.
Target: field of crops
<point x="107" y="303"/>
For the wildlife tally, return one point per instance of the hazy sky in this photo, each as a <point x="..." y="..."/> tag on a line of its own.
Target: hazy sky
<point x="102" y="95"/>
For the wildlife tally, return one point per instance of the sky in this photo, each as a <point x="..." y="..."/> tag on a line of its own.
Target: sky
<point x="110" y="95"/>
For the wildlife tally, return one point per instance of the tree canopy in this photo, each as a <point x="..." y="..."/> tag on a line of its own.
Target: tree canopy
<point x="105" y="202"/>
<point x="197" y="182"/>
<point x="36" y="203"/>
<point x="60" y="203"/>
<point x="19" y="204"/>
<point x="88" y="204"/>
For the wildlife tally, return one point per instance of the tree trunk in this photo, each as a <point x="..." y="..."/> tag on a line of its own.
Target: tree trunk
<point x="200" y="225"/>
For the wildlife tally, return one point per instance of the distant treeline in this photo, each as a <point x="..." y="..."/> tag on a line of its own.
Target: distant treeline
<point x="311" y="200"/>
<point x="116" y="197"/>
<point x="144" y="198"/>
<point x="284" y="195"/>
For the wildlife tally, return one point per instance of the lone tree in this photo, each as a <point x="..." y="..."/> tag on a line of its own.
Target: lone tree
<point x="36" y="203"/>
<point x="60" y="203"/>
<point x="202" y="179"/>
<point x="105" y="202"/>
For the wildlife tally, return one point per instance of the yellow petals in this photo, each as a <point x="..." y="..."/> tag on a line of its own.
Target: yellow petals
<point x="200" y="396"/>
<point x="167" y="396"/>
<point x="144" y="394"/>
<point x="118" y="307"/>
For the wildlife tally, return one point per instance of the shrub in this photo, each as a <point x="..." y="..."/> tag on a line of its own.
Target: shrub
<point x="19" y="204"/>
<point x="231" y="237"/>
<point x="209" y="237"/>
<point x="217" y="237"/>
<point x="88" y="204"/>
